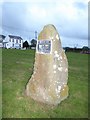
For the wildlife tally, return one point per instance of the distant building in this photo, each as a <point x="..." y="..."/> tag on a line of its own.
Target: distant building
<point x="2" y="37"/>
<point x="12" y="41"/>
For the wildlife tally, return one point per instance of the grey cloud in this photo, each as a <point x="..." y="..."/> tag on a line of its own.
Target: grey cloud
<point x="15" y="15"/>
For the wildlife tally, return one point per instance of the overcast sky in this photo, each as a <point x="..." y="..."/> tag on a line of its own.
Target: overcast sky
<point x="24" y="17"/>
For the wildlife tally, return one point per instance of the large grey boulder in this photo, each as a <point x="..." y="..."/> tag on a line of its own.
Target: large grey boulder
<point x="48" y="83"/>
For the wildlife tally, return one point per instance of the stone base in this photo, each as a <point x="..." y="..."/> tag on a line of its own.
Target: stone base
<point x="48" y="97"/>
<point x="64" y="92"/>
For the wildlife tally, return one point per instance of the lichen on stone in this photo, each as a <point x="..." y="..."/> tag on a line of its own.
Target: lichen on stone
<point x="48" y="83"/>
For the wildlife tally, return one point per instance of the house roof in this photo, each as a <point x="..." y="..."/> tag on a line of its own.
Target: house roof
<point x="3" y="36"/>
<point x="15" y="37"/>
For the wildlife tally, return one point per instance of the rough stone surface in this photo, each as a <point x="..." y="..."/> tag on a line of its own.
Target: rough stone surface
<point x="48" y="83"/>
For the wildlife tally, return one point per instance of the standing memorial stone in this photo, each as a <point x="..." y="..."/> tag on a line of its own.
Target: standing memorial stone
<point x="48" y="83"/>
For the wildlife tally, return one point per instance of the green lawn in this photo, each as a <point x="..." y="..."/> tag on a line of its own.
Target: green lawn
<point x="17" y="67"/>
<point x="0" y="82"/>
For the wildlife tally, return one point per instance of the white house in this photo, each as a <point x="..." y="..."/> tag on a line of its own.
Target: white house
<point x="12" y="41"/>
<point x="2" y="37"/>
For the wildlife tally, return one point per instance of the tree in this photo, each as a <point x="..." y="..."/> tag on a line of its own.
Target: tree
<point x="66" y="49"/>
<point x="85" y="48"/>
<point x="33" y="42"/>
<point x="25" y="44"/>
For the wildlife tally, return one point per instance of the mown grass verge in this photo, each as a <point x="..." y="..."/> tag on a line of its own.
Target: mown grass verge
<point x="17" y="68"/>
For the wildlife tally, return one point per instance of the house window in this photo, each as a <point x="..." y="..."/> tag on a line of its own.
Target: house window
<point x="20" y="41"/>
<point x="12" y="45"/>
<point x="16" y="41"/>
<point x="20" y="45"/>
<point x="44" y="46"/>
<point x="12" y="40"/>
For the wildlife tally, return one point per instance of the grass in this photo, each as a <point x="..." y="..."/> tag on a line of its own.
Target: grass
<point x="0" y="82"/>
<point x="17" y="68"/>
